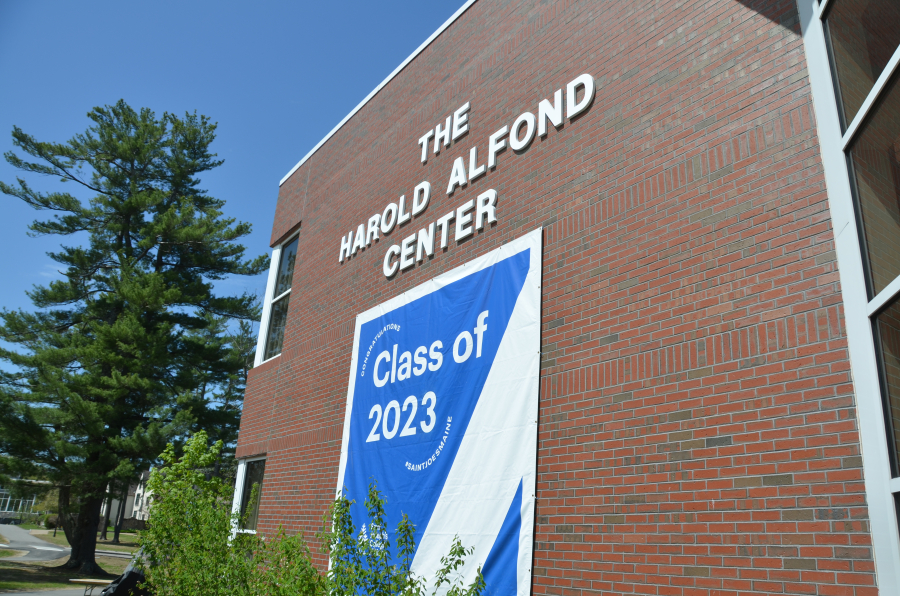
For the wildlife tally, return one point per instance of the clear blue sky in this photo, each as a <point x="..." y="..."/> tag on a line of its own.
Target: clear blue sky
<point x="276" y="76"/>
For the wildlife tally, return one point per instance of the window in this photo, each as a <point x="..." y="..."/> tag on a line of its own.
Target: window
<point x="863" y="35"/>
<point x="875" y="159"/>
<point x="853" y="52"/>
<point x="284" y="276"/>
<point x="253" y="476"/>
<point x="887" y="325"/>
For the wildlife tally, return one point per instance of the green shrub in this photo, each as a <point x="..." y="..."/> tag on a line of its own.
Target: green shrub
<point x="361" y="560"/>
<point x="187" y="546"/>
<point x="50" y="521"/>
<point x="190" y="546"/>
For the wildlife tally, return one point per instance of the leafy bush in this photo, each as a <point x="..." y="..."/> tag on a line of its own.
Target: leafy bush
<point x="190" y="546"/>
<point x="50" y="521"/>
<point x="361" y="560"/>
<point x="186" y="545"/>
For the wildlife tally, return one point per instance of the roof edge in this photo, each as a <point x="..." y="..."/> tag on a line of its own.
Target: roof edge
<point x="397" y="70"/>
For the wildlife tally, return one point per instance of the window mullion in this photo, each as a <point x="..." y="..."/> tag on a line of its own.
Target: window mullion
<point x="280" y="296"/>
<point x="884" y="296"/>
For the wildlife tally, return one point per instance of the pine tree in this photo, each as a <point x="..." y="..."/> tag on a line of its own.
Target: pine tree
<point x="214" y="381"/>
<point x="100" y="363"/>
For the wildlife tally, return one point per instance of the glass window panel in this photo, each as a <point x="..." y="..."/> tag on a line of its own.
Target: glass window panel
<point x="887" y="325"/>
<point x="863" y="35"/>
<point x="286" y="268"/>
<point x="253" y="475"/>
<point x="897" y="505"/>
<point x="277" y="321"/>
<point x="876" y="170"/>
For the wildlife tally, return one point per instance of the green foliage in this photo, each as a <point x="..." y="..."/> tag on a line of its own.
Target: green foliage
<point x="450" y="574"/>
<point x="285" y="568"/>
<point x="216" y="366"/>
<point x="47" y="501"/>
<point x="186" y="516"/>
<point x="118" y="359"/>
<point x="190" y="546"/>
<point x="361" y="560"/>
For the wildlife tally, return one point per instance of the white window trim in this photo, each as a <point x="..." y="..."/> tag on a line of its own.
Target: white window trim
<point x="860" y="340"/>
<point x="280" y="296"/>
<point x="268" y="301"/>
<point x="884" y="296"/>
<point x="239" y="493"/>
<point x="267" y="306"/>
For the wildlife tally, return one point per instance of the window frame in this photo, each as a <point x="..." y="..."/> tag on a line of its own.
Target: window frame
<point x="270" y="300"/>
<point x="237" y="501"/>
<point x="860" y="307"/>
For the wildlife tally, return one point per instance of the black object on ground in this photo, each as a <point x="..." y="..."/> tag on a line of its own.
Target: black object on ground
<point x="127" y="584"/>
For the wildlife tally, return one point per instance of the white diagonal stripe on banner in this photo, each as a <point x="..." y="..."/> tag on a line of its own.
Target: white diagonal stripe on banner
<point x="499" y="449"/>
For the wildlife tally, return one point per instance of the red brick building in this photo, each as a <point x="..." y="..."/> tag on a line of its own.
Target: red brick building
<point x="720" y="340"/>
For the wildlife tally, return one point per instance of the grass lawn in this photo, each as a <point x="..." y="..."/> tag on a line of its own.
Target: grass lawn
<point x="31" y="527"/>
<point x="15" y="577"/>
<point x="5" y="552"/>
<point x="59" y="539"/>
<point x="127" y="542"/>
<point x="3" y="539"/>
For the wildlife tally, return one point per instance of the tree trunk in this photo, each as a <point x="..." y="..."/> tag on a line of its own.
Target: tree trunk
<point x="84" y="545"/>
<point x="105" y="521"/>
<point x="121" y="516"/>
<point x="68" y="519"/>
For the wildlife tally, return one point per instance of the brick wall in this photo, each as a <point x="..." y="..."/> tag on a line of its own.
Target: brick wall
<point x="697" y="425"/>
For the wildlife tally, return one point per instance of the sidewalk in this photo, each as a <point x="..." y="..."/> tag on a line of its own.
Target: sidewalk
<point x="41" y="550"/>
<point x="36" y="549"/>
<point x="65" y="592"/>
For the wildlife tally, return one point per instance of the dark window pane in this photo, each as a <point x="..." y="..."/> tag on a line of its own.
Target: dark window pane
<point x="876" y="170"/>
<point x="863" y="35"/>
<point x="897" y="505"/>
<point x="277" y="321"/>
<point x="887" y="325"/>
<point x="286" y="268"/>
<point x="253" y="475"/>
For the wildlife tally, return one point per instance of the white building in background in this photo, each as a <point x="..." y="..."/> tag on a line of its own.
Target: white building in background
<point x="12" y="505"/>
<point x="141" y="498"/>
<point x="135" y="502"/>
<point x="114" y="506"/>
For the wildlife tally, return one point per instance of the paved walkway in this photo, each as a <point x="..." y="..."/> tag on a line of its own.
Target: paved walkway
<point x="65" y="592"/>
<point x="36" y="549"/>
<point x="41" y="550"/>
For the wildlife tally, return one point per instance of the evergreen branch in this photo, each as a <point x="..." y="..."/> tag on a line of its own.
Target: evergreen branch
<point x="49" y="153"/>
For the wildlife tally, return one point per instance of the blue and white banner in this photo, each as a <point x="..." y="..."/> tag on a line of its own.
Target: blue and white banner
<point x="442" y="411"/>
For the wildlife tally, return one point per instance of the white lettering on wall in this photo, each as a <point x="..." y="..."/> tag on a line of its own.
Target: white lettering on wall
<point x="472" y="215"/>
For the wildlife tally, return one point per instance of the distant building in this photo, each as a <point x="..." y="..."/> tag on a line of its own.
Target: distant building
<point x="135" y="503"/>
<point x="11" y="505"/>
<point x="114" y="505"/>
<point x="141" y="499"/>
